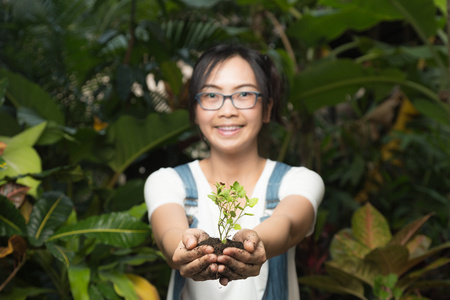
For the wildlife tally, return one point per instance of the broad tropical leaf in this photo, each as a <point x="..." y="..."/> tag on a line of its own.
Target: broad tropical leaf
<point x="331" y="284"/>
<point x="331" y="82"/>
<point x="364" y="270"/>
<point x="418" y="246"/>
<point x="3" y="85"/>
<point x="21" y="158"/>
<point x="23" y="293"/>
<point x="411" y="278"/>
<point x="11" y="221"/>
<point x="414" y="261"/>
<point x="143" y="288"/>
<point x="322" y="26"/>
<point x="115" y="229"/>
<point x="49" y="212"/>
<point x="62" y="254"/>
<point x="370" y="227"/>
<point x="23" y="92"/>
<point x="391" y="259"/>
<point x="126" y="196"/>
<point x="79" y="278"/>
<point x="344" y="245"/>
<point x="133" y="137"/>
<point x="407" y="232"/>
<point x="122" y="284"/>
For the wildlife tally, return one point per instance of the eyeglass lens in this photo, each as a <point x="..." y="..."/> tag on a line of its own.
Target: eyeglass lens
<point x="240" y="100"/>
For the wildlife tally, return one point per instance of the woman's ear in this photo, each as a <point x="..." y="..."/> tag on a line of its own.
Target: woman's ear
<point x="268" y="112"/>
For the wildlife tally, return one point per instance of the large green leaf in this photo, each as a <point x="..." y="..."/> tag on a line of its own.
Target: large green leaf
<point x="331" y="82"/>
<point x="370" y="227"/>
<point x="363" y="270"/>
<point x="319" y="29"/>
<point x="390" y="259"/>
<point x="115" y="229"/>
<point x="79" y="278"/>
<point x="172" y="74"/>
<point x="416" y="260"/>
<point x="406" y="233"/>
<point x="23" y="92"/>
<point x="122" y="284"/>
<point x="437" y="111"/>
<point x="23" y="293"/>
<point x="411" y="278"/>
<point x="324" y="24"/>
<point x="330" y="284"/>
<point x="126" y="196"/>
<point x="3" y="85"/>
<point x="21" y="158"/>
<point x="133" y="137"/>
<point x="344" y="245"/>
<point x="49" y="212"/>
<point x="201" y="3"/>
<point x="89" y="144"/>
<point x="62" y="254"/>
<point x="11" y="221"/>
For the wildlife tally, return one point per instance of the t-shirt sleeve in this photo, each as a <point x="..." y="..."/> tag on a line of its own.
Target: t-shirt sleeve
<point x="162" y="187"/>
<point x="304" y="182"/>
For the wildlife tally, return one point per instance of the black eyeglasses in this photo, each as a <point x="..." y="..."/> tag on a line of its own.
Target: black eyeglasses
<point x="240" y="100"/>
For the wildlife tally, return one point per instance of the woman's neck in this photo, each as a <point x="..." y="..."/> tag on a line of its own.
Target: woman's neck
<point x="244" y="168"/>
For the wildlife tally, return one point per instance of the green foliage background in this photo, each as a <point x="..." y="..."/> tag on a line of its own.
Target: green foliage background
<point x="93" y="99"/>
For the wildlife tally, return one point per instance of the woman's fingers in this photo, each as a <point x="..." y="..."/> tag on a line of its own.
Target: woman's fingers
<point x="202" y="268"/>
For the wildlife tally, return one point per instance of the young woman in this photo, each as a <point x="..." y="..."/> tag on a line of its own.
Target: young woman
<point x="233" y="92"/>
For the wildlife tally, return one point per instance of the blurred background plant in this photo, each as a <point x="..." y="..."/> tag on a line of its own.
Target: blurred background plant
<point x="93" y="99"/>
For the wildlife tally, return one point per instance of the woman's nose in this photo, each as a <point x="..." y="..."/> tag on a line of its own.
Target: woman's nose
<point x="228" y="108"/>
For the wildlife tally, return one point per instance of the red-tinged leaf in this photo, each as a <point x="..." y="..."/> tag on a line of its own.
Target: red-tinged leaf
<point x="391" y="259"/>
<point x="433" y="251"/>
<point x="406" y="281"/>
<point x="344" y="245"/>
<point x="407" y="232"/>
<point x="363" y="270"/>
<point x="370" y="227"/>
<point x="14" y="192"/>
<point x="418" y="246"/>
<point x="330" y="284"/>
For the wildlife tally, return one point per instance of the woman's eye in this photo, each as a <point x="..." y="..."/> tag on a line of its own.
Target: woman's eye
<point x="244" y="94"/>
<point x="211" y="95"/>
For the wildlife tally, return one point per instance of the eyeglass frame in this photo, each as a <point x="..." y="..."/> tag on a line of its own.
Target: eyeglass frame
<point x="224" y="97"/>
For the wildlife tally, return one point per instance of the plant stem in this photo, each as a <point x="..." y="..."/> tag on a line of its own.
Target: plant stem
<point x="13" y="273"/>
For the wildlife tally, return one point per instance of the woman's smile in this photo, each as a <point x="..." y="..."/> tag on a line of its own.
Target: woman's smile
<point x="228" y="130"/>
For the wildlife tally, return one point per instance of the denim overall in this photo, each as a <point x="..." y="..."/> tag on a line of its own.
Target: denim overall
<point x="277" y="282"/>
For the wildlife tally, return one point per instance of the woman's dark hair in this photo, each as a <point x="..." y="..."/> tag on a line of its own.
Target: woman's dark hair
<point x="267" y="76"/>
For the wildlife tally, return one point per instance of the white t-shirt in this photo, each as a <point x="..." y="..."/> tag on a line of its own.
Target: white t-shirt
<point x="165" y="186"/>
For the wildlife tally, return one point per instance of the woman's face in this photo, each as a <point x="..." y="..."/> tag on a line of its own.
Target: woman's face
<point x="231" y="130"/>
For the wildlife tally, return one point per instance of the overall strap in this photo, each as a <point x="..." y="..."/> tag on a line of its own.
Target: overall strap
<point x="273" y="186"/>
<point x="191" y="199"/>
<point x="190" y="186"/>
<point x="277" y="281"/>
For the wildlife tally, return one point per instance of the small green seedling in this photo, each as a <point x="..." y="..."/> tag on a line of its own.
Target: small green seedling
<point x="230" y="209"/>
